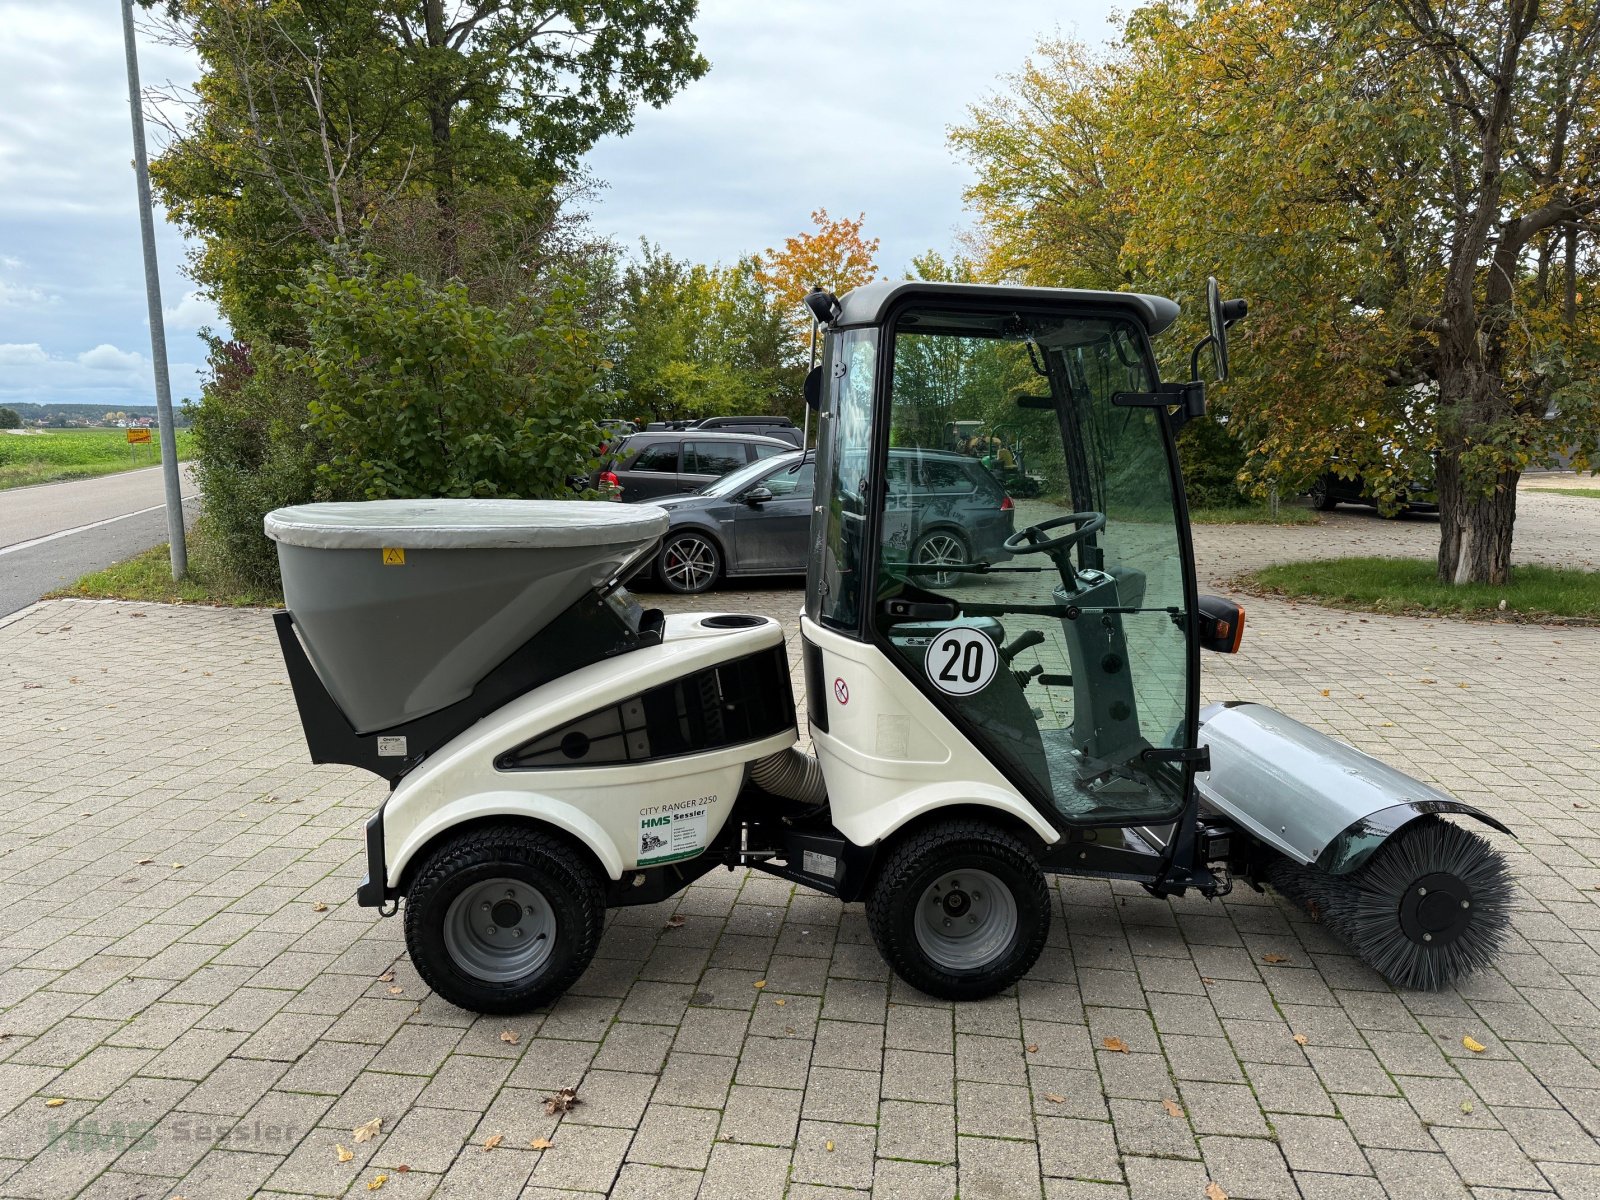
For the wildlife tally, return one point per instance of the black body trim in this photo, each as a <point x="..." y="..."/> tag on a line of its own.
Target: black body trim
<point x="731" y="703"/>
<point x="590" y="630"/>
<point x="374" y="890"/>
<point x="816" y="693"/>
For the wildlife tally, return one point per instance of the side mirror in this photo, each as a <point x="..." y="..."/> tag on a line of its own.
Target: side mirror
<point x="813" y="389"/>
<point x="1222" y="313"/>
<point x="758" y="495"/>
<point x="1221" y="624"/>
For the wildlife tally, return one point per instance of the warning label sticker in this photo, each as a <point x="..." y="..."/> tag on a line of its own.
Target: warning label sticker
<point x="670" y="832"/>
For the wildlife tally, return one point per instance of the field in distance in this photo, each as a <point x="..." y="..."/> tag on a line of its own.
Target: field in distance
<point x="48" y="455"/>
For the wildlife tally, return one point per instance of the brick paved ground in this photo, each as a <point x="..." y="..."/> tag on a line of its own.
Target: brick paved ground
<point x="213" y="1032"/>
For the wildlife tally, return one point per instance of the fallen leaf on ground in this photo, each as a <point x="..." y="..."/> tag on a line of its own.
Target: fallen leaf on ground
<point x="760" y="983"/>
<point x="561" y="1102"/>
<point x="780" y="1002"/>
<point x="1326" y="692"/>
<point x="1214" y="1191"/>
<point x="143" y="862"/>
<point x="1115" y="1043"/>
<point x="340" y="1153"/>
<point x="1473" y="1044"/>
<point x="1174" y="1109"/>
<point x="489" y="1143"/>
<point x="1466" y="1106"/>
<point x="674" y="922"/>
<point x="403" y="1168"/>
<point x="319" y="906"/>
<point x="540" y="1144"/>
<point x="365" y="1133"/>
<point x="177" y="866"/>
<point x="1033" y="1047"/>
<point x="396" y="990"/>
<point x="508" y="1038"/>
<point x="830" y="1147"/>
<point x="54" y="1103"/>
<point x="386" y="977"/>
<point x="1274" y="958"/>
<point x="1055" y="1099"/>
<point x="377" y="1182"/>
<point x="1207" y="980"/>
<point x="28" y="687"/>
<point x="1427" y="681"/>
<point x="1300" y="1039"/>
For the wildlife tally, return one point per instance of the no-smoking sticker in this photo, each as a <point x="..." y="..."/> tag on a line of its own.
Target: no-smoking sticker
<point x="841" y="691"/>
<point x="961" y="661"/>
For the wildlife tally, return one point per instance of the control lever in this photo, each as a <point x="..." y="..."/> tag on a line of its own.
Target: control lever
<point x="1022" y="677"/>
<point x="1031" y="637"/>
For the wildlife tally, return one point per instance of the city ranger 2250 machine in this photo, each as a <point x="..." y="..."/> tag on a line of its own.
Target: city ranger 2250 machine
<point x="1016" y="704"/>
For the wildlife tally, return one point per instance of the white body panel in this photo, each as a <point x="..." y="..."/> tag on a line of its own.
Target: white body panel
<point x="889" y="755"/>
<point x="601" y="806"/>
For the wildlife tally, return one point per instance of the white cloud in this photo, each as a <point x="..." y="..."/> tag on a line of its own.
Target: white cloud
<point x="22" y="354"/>
<point x="193" y="312"/>
<point x="106" y="357"/>
<point x="14" y="295"/>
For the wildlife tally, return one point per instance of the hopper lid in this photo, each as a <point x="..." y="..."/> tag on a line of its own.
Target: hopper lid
<point x="465" y="524"/>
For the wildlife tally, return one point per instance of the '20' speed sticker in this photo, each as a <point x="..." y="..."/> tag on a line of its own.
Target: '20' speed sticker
<point x="961" y="661"/>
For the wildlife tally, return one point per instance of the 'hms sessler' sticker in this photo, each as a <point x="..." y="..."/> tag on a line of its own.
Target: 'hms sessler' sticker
<point x="669" y="832"/>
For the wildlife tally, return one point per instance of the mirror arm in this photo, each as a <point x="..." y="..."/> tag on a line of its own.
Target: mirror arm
<point x="1194" y="358"/>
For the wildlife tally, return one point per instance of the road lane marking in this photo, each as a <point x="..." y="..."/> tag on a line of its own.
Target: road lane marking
<point x="50" y="537"/>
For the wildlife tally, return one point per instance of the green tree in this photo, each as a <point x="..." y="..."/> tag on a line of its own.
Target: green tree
<point x="691" y="340"/>
<point x="9" y="419"/>
<point x="316" y="123"/>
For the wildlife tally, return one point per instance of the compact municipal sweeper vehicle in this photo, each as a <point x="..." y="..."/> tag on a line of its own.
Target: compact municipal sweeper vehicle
<point x="1026" y="705"/>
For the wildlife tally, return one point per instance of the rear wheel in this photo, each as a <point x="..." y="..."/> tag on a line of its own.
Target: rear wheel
<point x="1321" y="495"/>
<point x="960" y="910"/>
<point x="935" y="550"/>
<point x="689" y="563"/>
<point x="503" y="918"/>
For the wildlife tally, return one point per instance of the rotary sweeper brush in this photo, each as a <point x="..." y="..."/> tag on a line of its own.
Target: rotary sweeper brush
<point x="997" y="686"/>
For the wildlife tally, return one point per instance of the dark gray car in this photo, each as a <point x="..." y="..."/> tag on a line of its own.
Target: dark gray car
<point x="757" y="520"/>
<point x="673" y="462"/>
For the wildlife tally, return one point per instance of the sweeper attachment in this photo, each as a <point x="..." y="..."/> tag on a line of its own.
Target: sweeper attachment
<point x="997" y="687"/>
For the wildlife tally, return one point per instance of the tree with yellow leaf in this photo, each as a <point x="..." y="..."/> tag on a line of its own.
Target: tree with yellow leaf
<point x="1406" y="190"/>
<point x="835" y="258"/>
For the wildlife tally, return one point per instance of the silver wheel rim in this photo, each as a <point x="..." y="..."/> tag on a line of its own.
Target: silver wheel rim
<point x="689" y="563"/>
<point x="938" y="549"/>
<point x="500" y="930"/>
<point x="965" y="920"/>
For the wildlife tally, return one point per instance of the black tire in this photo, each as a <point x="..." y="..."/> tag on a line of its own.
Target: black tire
<point x="573" y="903"/>
<point x="937" y="546"/>
<point x="1321" y="495"/>
<point x="689" y="562"/>
<point x="906" y="880"/>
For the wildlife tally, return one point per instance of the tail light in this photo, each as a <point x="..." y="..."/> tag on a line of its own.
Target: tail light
<point x="609" y="481"/>
<point x="1005" y="503"/>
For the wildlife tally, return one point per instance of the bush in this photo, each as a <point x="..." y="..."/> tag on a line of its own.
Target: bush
<point x="254" y="453"/>
<point x="1211" y="459"/>
<point x="9" y="419"/>
<point x="420" y="392"/>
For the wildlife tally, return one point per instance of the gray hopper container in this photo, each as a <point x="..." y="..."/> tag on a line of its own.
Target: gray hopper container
<point x="404" y="605"/>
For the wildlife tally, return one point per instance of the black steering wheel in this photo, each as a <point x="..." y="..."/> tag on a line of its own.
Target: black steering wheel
<point x="1030" y="541"/>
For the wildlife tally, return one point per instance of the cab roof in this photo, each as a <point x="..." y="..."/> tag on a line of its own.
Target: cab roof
<point x="869" y="304"/>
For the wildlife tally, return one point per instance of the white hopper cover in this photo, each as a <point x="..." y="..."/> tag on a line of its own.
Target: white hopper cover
<point x="465" y="524"/>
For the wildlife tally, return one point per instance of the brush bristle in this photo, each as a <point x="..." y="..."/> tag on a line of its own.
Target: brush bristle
<point x="1363" y="907"/>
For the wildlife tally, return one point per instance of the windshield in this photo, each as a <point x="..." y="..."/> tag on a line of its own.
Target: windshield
<point x="742" y="477"/>
<point x="1026" y="563"/>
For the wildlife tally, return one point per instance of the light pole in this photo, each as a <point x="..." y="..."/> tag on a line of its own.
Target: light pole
<point x="152" y="288"/>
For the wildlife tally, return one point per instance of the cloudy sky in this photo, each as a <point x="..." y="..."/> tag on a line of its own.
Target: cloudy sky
<point x="809" y="103"/>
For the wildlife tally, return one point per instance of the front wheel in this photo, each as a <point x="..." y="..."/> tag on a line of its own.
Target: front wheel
<point x="960" y="910"/>
<point x="503" y="918"/>
<point x="936" y="549"/>
<point x="689" y="563"/>
<point x="1321" y="495"/>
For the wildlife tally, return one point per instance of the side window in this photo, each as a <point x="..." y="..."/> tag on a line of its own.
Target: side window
<point x="663" y="456"/>
<point x="833" y="585"/>
<point x="796" y="481"/>
<point x="944" y="475"/>
<point x="762" y="450"/>
<point x="712" y="458"/>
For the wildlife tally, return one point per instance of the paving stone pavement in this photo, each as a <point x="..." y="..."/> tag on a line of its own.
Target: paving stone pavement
<point x="183" y="966"/>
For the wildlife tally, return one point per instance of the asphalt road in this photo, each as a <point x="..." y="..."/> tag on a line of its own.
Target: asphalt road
<point x="52" y="534"/>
